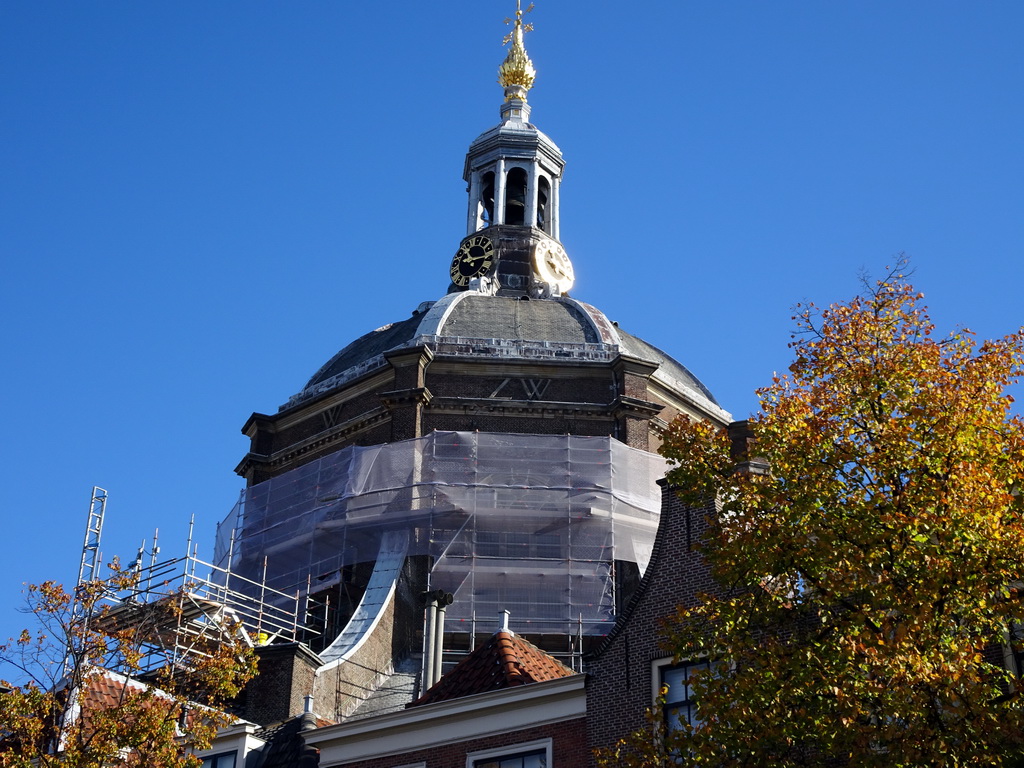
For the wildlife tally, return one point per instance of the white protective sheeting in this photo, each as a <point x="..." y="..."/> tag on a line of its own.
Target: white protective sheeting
<point x="375" y="599"/>
<point x="529" y="523"/>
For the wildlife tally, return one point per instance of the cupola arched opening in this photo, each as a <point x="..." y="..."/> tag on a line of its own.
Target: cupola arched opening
<point x="515" y="196"/>
<point x="487" y="198"/>
<point x="543" y="195"/>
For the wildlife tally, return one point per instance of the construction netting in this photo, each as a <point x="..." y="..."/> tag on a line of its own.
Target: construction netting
<point x="535" y="524"/>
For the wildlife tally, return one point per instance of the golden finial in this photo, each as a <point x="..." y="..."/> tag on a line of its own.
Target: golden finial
<point x="516" y="73"/>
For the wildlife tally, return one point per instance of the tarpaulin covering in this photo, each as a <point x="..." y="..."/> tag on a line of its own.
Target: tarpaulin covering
<point x="529" y="523"/>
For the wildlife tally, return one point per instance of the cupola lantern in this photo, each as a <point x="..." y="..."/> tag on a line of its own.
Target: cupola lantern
<point x="513" y="172"/>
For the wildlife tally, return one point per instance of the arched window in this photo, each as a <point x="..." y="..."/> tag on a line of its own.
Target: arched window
<point x="515" y="196"/>
<point x="543" y="195"/>
<point x="487" y="198"/>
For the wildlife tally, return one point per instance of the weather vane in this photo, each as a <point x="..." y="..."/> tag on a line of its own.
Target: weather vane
<point x="518" y="24"/>
<point x="517" y="73"/>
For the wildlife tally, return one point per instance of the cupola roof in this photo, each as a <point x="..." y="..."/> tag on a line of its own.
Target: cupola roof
<point x="473" y="325"/>
<point x="510" y="302"/>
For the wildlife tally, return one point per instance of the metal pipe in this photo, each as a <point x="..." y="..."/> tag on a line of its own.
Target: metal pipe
<point x="442" y="606"/>
<point x="263" y="595"/>
<point x="188" y="549"/>
<point x="428" y="643"/>
<point x="231" y="548"/>
<point x="305" y="603"/>
<point x="152" y="559"/>
<point x="578" y="656"/>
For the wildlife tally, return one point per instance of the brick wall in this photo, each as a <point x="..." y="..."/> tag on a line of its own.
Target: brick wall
<point x="572" y="385"/>
<point x="568" y="748"/>
<point x="419" y="394"/>
<point x="328" y="414"/>
<point x="552" y="423"/>
<point x="619" y="686"/>
<point x="340" y="689"/>
<point x="285" y="677"/>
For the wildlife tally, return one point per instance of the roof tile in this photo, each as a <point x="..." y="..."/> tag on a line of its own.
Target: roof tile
<point x="504" y="661"/>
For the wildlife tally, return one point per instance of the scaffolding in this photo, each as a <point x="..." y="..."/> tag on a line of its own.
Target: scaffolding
<point x="540" y="525"/>
<point x="179" y="609"/>
<point x="176" y="611"/>
<point x="88" y="568"/>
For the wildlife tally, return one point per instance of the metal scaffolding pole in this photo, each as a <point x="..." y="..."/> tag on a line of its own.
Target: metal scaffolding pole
<point x="88" y="569"/>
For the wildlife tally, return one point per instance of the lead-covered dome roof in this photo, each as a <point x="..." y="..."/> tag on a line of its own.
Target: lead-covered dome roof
<point x="470" y="324"/>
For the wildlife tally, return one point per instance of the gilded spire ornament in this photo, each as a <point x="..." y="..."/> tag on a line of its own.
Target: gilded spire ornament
<point x="516" y="74"/>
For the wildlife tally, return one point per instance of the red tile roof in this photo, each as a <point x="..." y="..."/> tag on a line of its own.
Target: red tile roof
<point x="104" y="694"/>
<point x="504" y="661"/>
<point x="104" y="690"/>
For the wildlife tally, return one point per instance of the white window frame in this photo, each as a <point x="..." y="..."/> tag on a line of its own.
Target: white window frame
<point x="1013" y="652"/>
<point x="215" y="757"/>
<point x="510" y="750"/>
<point x="658" y="666"/>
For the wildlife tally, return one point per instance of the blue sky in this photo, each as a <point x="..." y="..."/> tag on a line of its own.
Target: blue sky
<point x="201" y="202"/>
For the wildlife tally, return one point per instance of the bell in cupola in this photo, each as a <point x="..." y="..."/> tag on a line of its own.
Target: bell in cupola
<point x="515" y="197"/>
<point x="513" y="173"/>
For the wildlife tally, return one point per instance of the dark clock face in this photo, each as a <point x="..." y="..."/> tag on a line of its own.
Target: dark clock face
<point x="474" y="258"/>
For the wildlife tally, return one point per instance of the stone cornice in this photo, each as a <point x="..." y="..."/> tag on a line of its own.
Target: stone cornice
<point x="548" y="369"/>
<point x="405" y="397"/>
<point x="409" y="356"/>
<point x="328" y="436"/>
<point x="634" y="365"/>
<point x="256" y="422"/>
<point x="447" y="722"/>
<point x="632" y="406"/>
<point x="537" y="408"/>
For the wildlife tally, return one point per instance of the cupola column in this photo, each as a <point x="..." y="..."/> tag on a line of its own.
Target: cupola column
<point x="530" y="219"/>
<point x="499" y="192"/>
<point x="556" y="184"/>
<point x="512" y="174"/>
<point x="473" y="221"/>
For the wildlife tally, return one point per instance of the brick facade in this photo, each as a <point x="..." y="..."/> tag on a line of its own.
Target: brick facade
<point x="419" y="393"/>
<point x="619" y="688"/>
<point x="285" y="677"/>
<point x="568" y="748"/>
<point x="342" y="687"/>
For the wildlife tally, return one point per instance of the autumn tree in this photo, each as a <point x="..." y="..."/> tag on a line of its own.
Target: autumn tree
<point x="84" y="701"/>
<point x="870" y="569"/>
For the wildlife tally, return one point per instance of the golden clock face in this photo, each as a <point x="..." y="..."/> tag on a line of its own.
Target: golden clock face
<point x="474" y="258"/>
<point x="552" y="265"/>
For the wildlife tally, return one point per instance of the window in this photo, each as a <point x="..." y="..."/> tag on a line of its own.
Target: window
<point x="487" y="198"/>
<point x="223" y="760"/>
<point x="543" y="193"/>
<point x="1015" y="648"/>
<point x="536" y="754"/>
<point x="536" y="759"/>
<point x="680" y="706"/>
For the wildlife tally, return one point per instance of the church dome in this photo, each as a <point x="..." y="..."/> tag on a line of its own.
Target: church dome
<point x="498" y="446"/>
<point x="470" y="324"/>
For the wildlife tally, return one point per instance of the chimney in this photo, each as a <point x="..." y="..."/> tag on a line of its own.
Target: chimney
<point x="433" y="637"/>
<point x="743" y="449"/>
